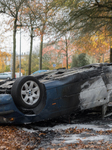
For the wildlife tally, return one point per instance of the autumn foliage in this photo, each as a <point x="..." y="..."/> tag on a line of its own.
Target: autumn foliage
<point x="4" y="60"/>
<point x="96" y="45"/>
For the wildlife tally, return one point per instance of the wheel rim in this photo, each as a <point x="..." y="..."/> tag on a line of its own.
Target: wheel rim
<point x="30" y="92"/>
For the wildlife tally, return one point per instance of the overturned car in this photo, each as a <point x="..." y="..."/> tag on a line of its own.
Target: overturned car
<point x="55" y="93"/>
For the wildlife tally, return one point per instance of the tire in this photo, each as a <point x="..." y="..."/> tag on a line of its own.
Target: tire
<point x="27" y="92"/>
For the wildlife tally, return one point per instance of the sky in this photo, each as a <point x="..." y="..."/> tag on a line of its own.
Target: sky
<point x="7" y="43"/>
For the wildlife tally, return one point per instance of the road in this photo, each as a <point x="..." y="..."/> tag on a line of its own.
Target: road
<point x="85" y="131"/>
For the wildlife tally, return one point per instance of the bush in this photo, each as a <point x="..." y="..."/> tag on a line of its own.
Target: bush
<point x="82" y="60"/>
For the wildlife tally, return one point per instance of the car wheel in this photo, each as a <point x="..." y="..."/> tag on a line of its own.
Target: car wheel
<point x="27" y="92"/>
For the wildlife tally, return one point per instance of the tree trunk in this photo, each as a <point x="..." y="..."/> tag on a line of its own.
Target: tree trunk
<point x="41" y="48"/>
<point x="110" y="54"/>
<point x="14" y="49"/>
<point x="66" y="54"/>
<point x="30" y="55"/>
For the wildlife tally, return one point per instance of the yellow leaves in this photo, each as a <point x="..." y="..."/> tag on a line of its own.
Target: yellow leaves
<point x="96" y="45"/>
<point x="4" y="58"/>
<point x="0" y="64"/>
<point x="111" y="42"/>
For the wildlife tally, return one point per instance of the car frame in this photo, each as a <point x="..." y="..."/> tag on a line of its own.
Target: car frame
<point x="56" y="93"/>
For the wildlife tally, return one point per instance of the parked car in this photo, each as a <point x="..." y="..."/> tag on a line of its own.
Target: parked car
<point x="5" y="75"/>
<point x="56" y="93"/>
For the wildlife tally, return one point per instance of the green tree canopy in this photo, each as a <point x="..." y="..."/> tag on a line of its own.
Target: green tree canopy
<point x="85" y="16"/>
<point x="82" y="60"/>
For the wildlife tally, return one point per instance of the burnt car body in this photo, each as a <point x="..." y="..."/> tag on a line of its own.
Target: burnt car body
<point x="55" y="93"/>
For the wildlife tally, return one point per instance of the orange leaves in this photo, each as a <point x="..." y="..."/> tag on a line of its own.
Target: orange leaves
<point x="42" y="134"/>
<point x="12" y="139"/>
<point x="75" y="130"/>
<point x="107" y="132"/>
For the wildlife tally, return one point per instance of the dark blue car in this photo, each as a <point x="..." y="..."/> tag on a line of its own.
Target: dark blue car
<point x="55" y="93"/>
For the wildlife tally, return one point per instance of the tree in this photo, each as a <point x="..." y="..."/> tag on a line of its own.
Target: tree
<point x="47" y="64"/>
<point x="86" y="17"/>
<point x="28" y="21"/>
<point x="96" y="45"/>
<point x="81" y="60"/>
<point x="51" y="56"/>
<point x="34" y="63"/>
<point x="42" y="13"/>
<point x="12" y="8"/>
<point x="63" y="45"/>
